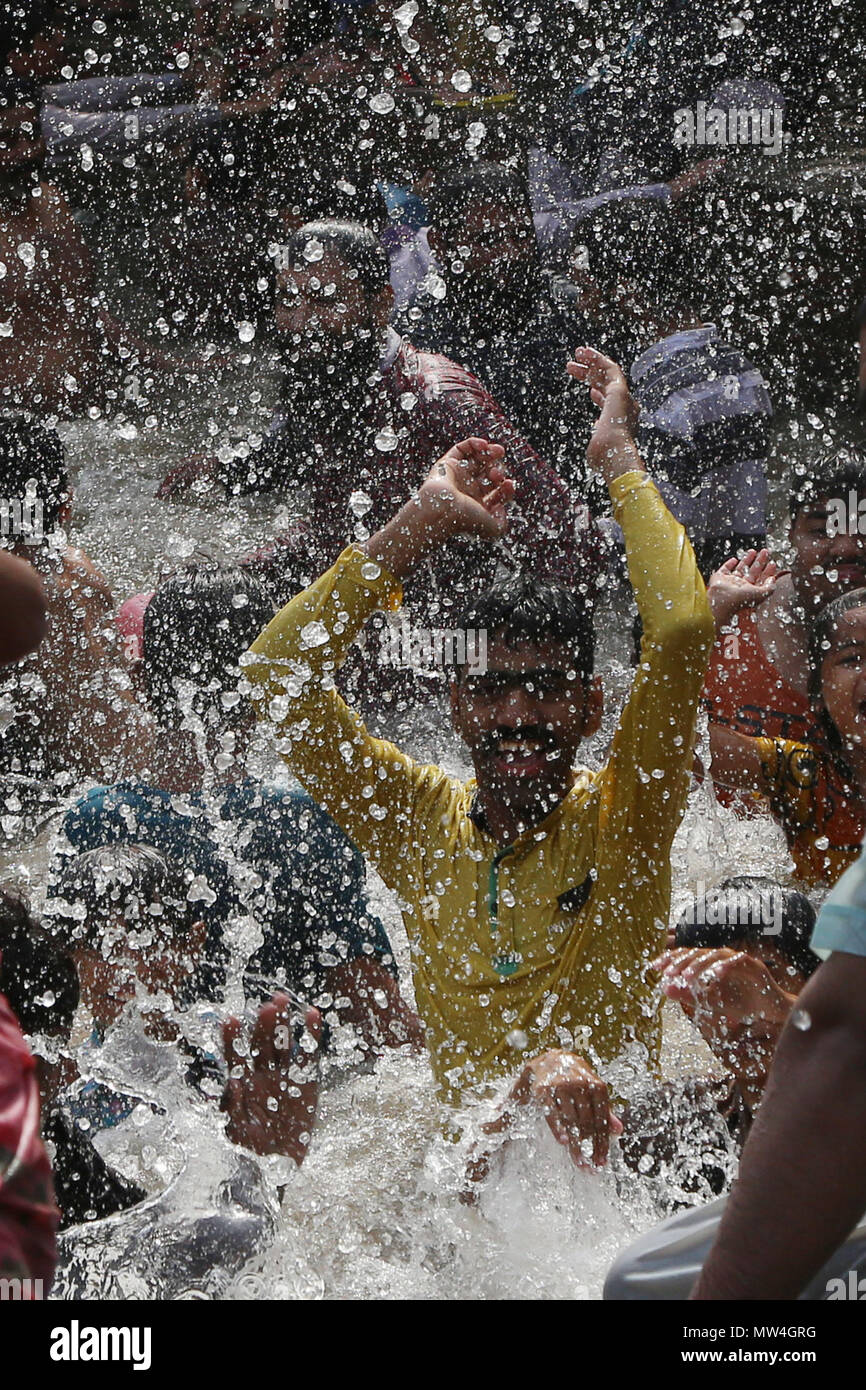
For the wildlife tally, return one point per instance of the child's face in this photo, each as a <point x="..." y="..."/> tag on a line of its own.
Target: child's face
<point x="126" y="957"/>
<point x="843" y="678"/>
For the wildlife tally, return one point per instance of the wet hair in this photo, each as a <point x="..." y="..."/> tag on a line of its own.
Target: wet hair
<point x="196" y="628"/>
<point x="821" y="633"/>
<point x="32" y="454"/>
<point x="37" y="975"/>
<point x="829" y="475"/>
<point x="147" y="888"/>
<point x="522" y="608"/>
<point x="738" y="907"/>
<point x="356" y="246"/>
<point x="638" y="241"/>
<point x="454" y="195"/>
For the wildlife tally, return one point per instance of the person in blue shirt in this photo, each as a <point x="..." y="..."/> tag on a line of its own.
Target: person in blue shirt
<point x="254" y="850"/>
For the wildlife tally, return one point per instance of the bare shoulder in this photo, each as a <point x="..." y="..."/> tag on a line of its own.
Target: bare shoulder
<point x="79" y="575"/>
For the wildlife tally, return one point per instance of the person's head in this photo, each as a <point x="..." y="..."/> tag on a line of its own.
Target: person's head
<point x="827" y="542"/>
<point x="123" y="914"/>
<point x="35" y="492"/>
<point x="334" y="299"/>
<point x="754" y="915"/>
<point x="635" y="259"/>
<point x="482" y="232"/>
<point x="22" y="147"/>
<point x="524" y="715"/>
<point x="197" y="626"/>
<point x="837" y="672"/>
<point x="36" y="974"/>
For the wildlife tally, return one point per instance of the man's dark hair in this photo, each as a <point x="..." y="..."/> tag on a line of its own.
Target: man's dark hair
<point x="197" y="626"/>
<point x="457" y="192"/>
<point x="31" y="454"/>
<point x="522" y="608"/>
<point x="639" y="243"/>
<point x="833" y="474"/>
<point x="739" y="912"/>
<point x="356" y="246"/>
<point x="37" y="975"/>
<point x="147" y="888"/>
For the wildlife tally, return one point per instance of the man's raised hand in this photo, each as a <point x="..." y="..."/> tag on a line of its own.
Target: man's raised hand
<point x="611" y="449"/>
<point x="469" y="490"/>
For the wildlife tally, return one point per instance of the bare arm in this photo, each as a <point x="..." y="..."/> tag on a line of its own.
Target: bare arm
<point x="736" y="761"/>
<point x="802" y="1184"/>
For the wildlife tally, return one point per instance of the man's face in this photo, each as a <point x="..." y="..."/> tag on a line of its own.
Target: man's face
<point x="22" y="154"/>
<point x="323" y="310"/>
<point x="523" y="720"/>
<point x="824" y="565"/>
<point x="495" y="242"/>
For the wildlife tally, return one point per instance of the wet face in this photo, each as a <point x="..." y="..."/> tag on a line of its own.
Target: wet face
<point x="843" y="678"/>
<point x="523" y="720"/>
<point x="323" y="309"/>
<point x="22" y="154"/>
<point x="124" y="958"/>
<point x="824" y="565"/>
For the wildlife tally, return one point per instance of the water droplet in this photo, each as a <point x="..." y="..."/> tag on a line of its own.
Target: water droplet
<point x="404" y="16"/>
<point x="381" y="103"/>
<point x="736" y="25"/>
<point x="246" y="331"/>
<point x="386" y="440"/>
<point x="802" y="1020"/>
<point x="493" y="33"/>
<point x="27" y="254"/>
<point x="2" y="270"/>
<point x="370" y="570"/>
<point x="182" y="60"/>
<point x="313" y="250"/>
<point x="314" y="634"/>
<point x="517" y="1039"/>
<point x="360" y="503"/>
<point x="461" y="80"/>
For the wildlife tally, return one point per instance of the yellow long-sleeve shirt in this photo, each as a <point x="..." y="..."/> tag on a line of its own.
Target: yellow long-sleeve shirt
<point x="583" y="897"/>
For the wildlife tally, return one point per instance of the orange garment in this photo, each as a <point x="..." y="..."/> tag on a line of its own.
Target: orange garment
<point x="823" y="819"/>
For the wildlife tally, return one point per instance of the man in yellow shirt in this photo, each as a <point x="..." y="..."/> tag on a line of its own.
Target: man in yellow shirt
<point x="535" y="896"/>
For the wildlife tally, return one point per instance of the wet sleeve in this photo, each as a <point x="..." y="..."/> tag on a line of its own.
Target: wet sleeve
<point x="366" y="784"/>
<point x="645" y="781"/>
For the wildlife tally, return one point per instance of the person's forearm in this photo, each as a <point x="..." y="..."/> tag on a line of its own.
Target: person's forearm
<point x="802" y="1184"/>
<point x="407" y="538"/>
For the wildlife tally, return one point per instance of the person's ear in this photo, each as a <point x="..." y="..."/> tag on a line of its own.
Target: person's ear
<point x="593" y="708"/>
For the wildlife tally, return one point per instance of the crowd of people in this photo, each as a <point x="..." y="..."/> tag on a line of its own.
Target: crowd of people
<point x="536" y="356"/>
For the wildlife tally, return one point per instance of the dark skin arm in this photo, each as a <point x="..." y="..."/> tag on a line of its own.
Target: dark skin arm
<point x="802" y="1184"/>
